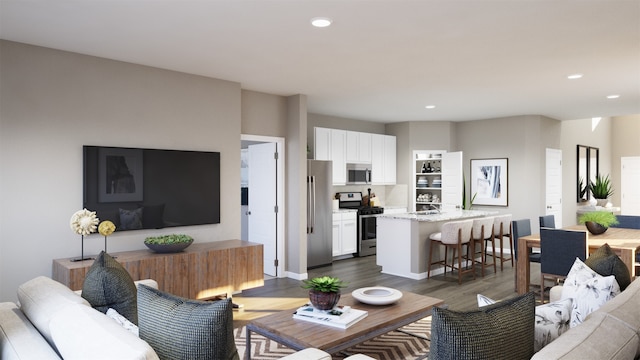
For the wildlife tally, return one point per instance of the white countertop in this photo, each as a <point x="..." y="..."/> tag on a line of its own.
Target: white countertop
<point x="434" y="215"/>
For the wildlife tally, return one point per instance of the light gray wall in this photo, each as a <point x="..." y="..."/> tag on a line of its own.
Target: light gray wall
<point x="625" y="132"/>
<point x="263" y="114"/>
<point x="53" y="102"/>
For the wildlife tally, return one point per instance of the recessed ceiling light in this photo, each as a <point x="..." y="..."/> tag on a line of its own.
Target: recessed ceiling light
<point x="320" y="21"/>
<point x="615" y="96"/>
<point x="430" y="107"/>
<point x="574" y="76"/>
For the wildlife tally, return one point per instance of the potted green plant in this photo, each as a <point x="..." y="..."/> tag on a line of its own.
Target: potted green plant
<point x="598" y="222"/>
<point x="601" y="189"/>
<point x="324" y="291"/>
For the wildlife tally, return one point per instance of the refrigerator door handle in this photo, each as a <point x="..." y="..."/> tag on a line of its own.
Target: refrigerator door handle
<point x="313" y="204"/>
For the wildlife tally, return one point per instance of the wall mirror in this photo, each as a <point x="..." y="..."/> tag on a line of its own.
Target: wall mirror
<point x="588" y="167"/>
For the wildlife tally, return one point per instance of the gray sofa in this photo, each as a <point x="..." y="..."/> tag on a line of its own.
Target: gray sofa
<point x="53" y="322"/>
<point x="611" y="332"/>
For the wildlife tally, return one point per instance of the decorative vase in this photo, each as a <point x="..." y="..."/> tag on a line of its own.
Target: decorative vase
<point x="323" y="300"/>
<point x="602" y="202"/>
<point x="595" y="228"/>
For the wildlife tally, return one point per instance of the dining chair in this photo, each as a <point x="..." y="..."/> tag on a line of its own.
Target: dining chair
<point x="502" y="229"/>
<point x="519" y="229"/>
<point x="628" y="222"/>
<point x="558" y="251"/>
<point x="482" y="232"/>
<point x="453" y="234"/>
<point x="548" y="221"/>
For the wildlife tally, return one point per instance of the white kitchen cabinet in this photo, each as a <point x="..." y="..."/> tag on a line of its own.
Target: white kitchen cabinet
<point x="344" y="233"/>
<point x="383" y="159"/>
<point x="329" y="144"/>
<point x="437" y="180"/>
<point x="358" y="147"/>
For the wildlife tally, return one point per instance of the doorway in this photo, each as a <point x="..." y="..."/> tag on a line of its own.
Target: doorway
<point x="262" y="210"/>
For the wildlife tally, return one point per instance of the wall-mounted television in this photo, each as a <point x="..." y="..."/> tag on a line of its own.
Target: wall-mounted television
<point x="151" y="188"/>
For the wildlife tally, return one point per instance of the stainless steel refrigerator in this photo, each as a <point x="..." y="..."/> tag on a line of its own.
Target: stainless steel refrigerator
<point x="319" y="213"/>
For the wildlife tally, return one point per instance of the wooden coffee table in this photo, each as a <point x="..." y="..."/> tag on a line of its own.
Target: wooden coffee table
<point x="299" y="334"/>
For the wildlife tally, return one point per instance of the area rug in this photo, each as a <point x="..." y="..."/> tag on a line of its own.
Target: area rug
<point x="410" y="342"/>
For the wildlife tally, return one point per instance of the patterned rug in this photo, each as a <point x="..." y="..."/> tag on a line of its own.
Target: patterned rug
<point x="408" y="343"/>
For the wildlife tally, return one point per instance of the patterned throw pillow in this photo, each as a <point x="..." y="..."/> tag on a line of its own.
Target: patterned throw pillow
<point x="552" y="320"/>
<point x="500" y="331"/>
<point x="179" y="328"/>
<point x="109" y="285"/>
<point x="605" y="262"/>
<point x="588" y="289"/>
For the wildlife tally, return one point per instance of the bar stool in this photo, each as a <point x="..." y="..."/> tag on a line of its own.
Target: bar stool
<point x="482" y="231"/>
<point x="502" y="229"/>
<point x="453" y="235"/>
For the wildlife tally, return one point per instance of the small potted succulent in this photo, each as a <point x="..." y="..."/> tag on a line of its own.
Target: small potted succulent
<point x="601" y="189"/>
<point x="324" y="291"/>
<point x="598" y="222"/>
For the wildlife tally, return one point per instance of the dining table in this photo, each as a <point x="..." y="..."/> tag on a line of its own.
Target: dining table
<point x="624" y="242"/>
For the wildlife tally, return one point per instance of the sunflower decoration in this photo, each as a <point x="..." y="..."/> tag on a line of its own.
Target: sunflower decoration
<point x="106" y="228"/>
<point x="84" y="222"/>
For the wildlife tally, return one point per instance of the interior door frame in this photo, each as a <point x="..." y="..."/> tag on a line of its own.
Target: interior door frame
<point x="280" y="217"/>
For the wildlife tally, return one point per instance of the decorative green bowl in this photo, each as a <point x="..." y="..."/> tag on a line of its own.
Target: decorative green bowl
<point x="168" y="243"/>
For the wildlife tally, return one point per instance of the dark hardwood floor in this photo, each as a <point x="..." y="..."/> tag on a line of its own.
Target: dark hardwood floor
<point x="284" y="293"/>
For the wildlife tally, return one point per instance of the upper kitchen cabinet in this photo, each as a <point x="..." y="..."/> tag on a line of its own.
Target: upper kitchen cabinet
<point x="358" y="147"/>
<point x="330" y="144"/>
<point x="352" y="147"/>
<point x="383" y="159"/>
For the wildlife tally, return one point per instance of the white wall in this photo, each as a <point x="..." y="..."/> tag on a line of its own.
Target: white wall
<point x="52" y="103"/>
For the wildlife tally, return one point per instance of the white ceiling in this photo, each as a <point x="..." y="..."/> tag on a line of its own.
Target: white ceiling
<point x="380" y="60"/>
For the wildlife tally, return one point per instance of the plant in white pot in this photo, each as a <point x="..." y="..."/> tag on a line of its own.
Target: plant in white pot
<point x="324" y="291"/>
<point x="601" y="189"/>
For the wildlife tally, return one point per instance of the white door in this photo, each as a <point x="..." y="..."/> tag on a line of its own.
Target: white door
<point x="262" y="201"/>
<point x="629" y="189"/>
<point x="452" y="180"/>
<point x="553" y="187"/>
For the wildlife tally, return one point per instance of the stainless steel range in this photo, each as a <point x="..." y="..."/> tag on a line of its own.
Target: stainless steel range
<point x="366" y="221"/>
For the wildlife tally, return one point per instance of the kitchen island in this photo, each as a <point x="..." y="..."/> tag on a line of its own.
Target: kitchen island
<point x="403" y="240"/>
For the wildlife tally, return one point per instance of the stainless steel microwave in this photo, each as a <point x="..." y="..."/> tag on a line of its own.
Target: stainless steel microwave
<point x="358" y="174"/>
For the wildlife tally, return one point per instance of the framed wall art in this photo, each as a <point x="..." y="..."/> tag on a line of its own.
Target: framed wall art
<point x="489" y="181"/>
<point x="120" y="175"/>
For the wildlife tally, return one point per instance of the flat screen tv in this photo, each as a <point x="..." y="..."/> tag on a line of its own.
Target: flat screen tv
<point x="151" y="188"/>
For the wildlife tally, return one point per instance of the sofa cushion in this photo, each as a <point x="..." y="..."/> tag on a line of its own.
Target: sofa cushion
<point x="552" y="320"/>
<point x="599" y="337"/>
<point x="107" y="284"/>
<point x="190" y="329"/>
<point x="81" y="333"/>
<point x="41" y="298"/>
<point x="500" y="331"/>
<point x="625" y="306"/>
<point x="605" y="262"/>
<point x="19" y="339"/>
<point x="588" y="290"/>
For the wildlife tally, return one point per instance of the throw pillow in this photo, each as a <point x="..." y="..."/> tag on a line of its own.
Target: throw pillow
<point x="179" y="328"/>
<point x="130" y="219"/>
<point x="552" y="320"/>
<point x="500" y="331"/>
<point x="109" y="285"/>
<point x="588" y="290"/>
<point x="605" y="262"/>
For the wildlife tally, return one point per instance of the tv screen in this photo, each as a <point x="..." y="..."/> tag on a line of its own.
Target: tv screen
<point x="151" y="188"/>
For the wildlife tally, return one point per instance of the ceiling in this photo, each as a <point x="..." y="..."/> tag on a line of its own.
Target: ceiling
<point x="380" y="61"/>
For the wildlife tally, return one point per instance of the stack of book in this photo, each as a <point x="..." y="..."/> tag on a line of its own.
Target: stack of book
<point x="341" y="316"/>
